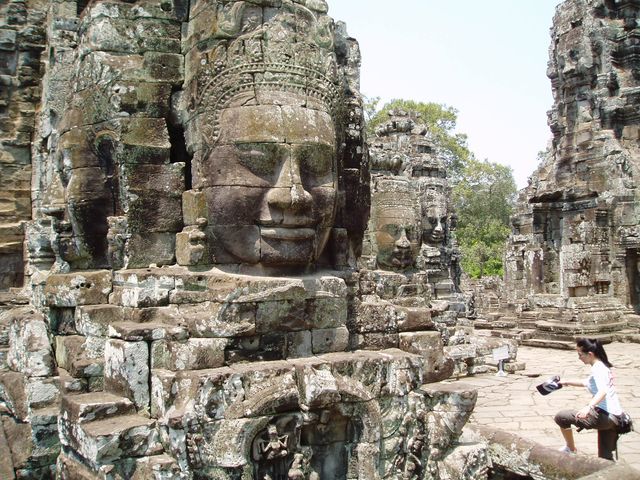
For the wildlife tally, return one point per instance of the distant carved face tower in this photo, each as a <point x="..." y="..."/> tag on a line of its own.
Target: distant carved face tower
<point x="396" y="223"/>
<point x="434" y="217"/>
<point x="263" y="125"/>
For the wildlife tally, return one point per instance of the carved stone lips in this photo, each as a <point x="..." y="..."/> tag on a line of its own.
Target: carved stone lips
<point x="288" y="233"/>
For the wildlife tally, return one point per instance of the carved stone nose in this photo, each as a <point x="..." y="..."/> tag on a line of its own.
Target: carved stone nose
<point x="293" y="198"/>
<point x="288" y="197"/>
<point x="403" y="241"/>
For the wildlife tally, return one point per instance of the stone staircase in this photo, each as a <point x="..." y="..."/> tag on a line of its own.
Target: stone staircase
<point x="558" y="327"/>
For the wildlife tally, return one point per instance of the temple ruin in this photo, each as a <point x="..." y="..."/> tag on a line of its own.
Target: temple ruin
<point x="208" y="271"/>
<point x="572" y="260"/>
<point x="188" y="294"/>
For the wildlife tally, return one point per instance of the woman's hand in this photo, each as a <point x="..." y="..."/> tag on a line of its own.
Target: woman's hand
<point x="583" y="412"/>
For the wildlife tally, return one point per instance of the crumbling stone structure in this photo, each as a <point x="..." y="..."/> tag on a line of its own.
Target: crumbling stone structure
<point x="410" y="276"/>
<point x="200" y="195"/>
<point x="572" y="261"/>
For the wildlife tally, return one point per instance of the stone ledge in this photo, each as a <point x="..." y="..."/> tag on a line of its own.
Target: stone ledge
<point x="524" y="457"/>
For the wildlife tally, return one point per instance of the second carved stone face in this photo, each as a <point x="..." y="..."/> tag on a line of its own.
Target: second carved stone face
<point x="397" y="236"/>
<point x="270" y="184"/>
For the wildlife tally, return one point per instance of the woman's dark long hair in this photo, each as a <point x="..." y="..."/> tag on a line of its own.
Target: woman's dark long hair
<point x="595" y="346"/>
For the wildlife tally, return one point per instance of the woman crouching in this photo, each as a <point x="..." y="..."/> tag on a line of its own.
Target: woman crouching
<point x="602" y="411"/>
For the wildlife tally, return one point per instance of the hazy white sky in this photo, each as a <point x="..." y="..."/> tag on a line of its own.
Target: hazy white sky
<point x="486" y="58"/>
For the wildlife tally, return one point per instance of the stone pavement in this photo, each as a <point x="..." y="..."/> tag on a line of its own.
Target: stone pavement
<point x="513" y="404"/>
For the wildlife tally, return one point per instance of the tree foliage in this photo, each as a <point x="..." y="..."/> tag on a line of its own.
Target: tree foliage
<point x="484" y="199"/>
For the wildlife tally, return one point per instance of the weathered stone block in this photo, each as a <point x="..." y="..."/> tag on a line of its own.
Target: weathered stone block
<point x="374" y="341"/>
<point x="4" y="358"/>
<point x="111" y="439"/>
<point x="13" y="392"/>
<point x="328" y="340"/>
<point x="299" y="344"/>
<point x="211" y="319"/>
<point x="79" y="288"/>
<point x="190" y="246"/>
<point x="163" y="393"/>
<point x="156" y="248"/>
<point x="331" y="311"/>
<point x="194" y="207"/>
<point x="192" y="354"/>
<point x="6" y="462"/>
<point x="80" y="356"/>
<point x="163" y="67"/>
<point x="450" y="406"/>
<point x="89" y="407"/>
<point x="148" y="331"/>
<point x="429" y="346"/>
<point x="126" y="371"/>
<point x="32" y="445"/>
<point x="415" y="319"/>
<point x="140" y="288"/>
<point x="282" y="316"/>
<point x="29" y="349"/>
<point x="156" y="204"/>
<point x="71" y="385"/>
<point x="377" y="317"/>
<point x="94" y="320"/>
<point x="43" y="392"/>
<point x="115" y="34"/>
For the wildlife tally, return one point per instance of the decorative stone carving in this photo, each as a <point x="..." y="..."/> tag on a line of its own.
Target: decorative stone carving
<point x="200" y="194"/>
<point x="271" y="192"/>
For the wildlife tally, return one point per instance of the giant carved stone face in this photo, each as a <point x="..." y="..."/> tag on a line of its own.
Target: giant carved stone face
<point x="434" y="218"/>
<point x="396" y="225"/>
<point x="270" y="184"/>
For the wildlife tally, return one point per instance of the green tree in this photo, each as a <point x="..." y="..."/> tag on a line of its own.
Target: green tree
<point x="484" y="198"/>
<point x="441" y="121"/>
<point x="370" y="106"/>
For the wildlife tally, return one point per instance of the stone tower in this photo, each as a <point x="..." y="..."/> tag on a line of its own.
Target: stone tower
<point x="199" y="196"/>
<point x="573" y="255"/>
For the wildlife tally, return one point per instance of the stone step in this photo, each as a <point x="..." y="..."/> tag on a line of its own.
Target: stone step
<point x="88" y="407"/>
<point x="111" y="439"/>
<point x="517" y="334"/>
<point x="633" y="320"/>
<point x="628" y="337"/>
<point x="571" y="337"/>
<point x="542" y="343"/>
<point x="580" y="329"/>
<point x="138" y="332"/>
<point x="493" y="324"/>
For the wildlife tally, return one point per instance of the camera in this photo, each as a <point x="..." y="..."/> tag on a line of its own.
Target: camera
<point x="551" y="385"/>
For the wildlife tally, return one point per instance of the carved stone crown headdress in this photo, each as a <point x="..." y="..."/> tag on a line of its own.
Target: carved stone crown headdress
<point x="293" y="51"/>
<point x="391" y="193"/>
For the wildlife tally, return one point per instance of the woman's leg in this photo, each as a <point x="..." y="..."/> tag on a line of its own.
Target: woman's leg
<point x="567" y="434"/>
<point x="607" y="440"/>
<point x="565" y="419"/>
<point x="607" y="436"/>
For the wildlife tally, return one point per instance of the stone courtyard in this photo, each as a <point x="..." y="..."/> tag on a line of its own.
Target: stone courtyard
<point x="513" y="404"/>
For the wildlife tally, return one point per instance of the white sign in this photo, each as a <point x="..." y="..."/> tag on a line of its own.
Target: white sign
<point x="501" y="353"/>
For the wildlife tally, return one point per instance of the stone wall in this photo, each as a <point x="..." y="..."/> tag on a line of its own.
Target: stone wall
<point x="22" y="41"/>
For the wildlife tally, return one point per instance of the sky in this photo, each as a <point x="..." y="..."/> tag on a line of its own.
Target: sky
<point x="486" y="58"/>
